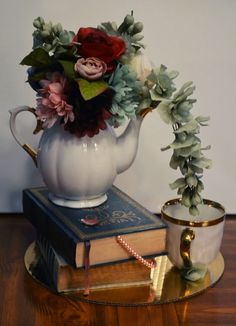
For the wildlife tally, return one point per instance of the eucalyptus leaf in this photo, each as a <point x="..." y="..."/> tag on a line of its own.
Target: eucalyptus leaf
<point x="65" y="37"/>
<point x="175" y="161"/>
<point x="196" y="199"/>
<point x="164" y="109"/>
<point x="196" y="169"/>
<point x="186" y="198"/>
<point x="202" y="119"/>
<point x="184" y="107"/>
<point x="181" y="117"/>
<point x="181" y="136"/>
<point x="202" y="163"/>
<point x="200" y="186"/>
<point x="162" y="68"/>
<point x="191" y="126"/>
<point x="193" y="210"/>
<point x="190" y="140"/>
<point x="194" y="273"/>
<point x="186" y="85"/>
<point x="181" y="190"/>
<point x="91" y="89"/>
<point x="179" y="183"/>
<point x="189" y="91"/>
<point x="196" y="153"/>
<point x="173" y="74"/>
<point x="152" y="77"/>
<point x="188" y="151"/>
<point x="191" y="180"/>
<point x="184" y="169"/>
<point x="155" y="95"/>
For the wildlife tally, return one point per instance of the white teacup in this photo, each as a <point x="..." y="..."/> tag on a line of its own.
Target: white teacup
<point x="193" y="241"/>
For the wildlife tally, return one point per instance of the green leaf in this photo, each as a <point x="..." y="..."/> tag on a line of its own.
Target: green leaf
<point x="152" y="77"/>
<point x="164" y="109"/>
<point x="196" y="199"/>
<point x="202" y="163"/>
<point x="190" y="140"/>
<point x="180" y="117"/>
<point x="91" y="89"/>
<point x="196" y="272"/>
<point x="173" y="74"/>
<point x="195" y="169"/>
<point x="201" y="119"/>
<point x="66" y="37"/>
<point x="191" y="180"/>
<point x="193" y="210"/>
<point x="187" y="151"/>
<point x="190" y="127"/>
<point x="185" y="85"/>
<point x="179" y="183"/>
<point x="68" y="67"/>
<point x="200" y="186"/>
<point x="175" y="161"/>
<point x="178" y="95"/>
<point x="38" y="76"/>
<point x="37" y="58"/>
<point x="197" y="152"/>
<point x="154" y="95"/>
<point x="181" y="190"/>
<point x="186" y="198"/>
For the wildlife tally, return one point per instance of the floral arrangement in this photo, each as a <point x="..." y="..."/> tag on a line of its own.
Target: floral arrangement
<point x="99" y="77"/>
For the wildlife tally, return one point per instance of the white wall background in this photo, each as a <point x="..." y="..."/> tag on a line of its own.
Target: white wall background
<point x="197" y="38"/>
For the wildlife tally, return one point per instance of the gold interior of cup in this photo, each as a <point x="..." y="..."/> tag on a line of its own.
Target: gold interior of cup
<point x="193" y="221"/>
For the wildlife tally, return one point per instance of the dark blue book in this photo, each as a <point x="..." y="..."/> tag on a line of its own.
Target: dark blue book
<point x="119" y="215"/>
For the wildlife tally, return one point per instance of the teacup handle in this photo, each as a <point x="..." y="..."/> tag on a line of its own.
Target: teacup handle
<point x="28" y="148"/>
<point x="187" y="237"/>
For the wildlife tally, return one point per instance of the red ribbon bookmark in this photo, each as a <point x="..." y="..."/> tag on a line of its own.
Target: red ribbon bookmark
<point x="87" y="247"/>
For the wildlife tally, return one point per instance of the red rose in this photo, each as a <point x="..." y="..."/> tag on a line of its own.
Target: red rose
<point x="95" y="43"/>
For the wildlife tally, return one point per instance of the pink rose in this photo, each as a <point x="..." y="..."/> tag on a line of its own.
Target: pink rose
<point x="90" y="68"/>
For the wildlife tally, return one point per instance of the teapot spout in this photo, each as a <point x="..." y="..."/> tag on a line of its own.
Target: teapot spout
<point x="127" y="145"/>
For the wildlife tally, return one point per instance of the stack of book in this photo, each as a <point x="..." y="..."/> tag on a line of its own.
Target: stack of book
<point x="73" y="250"/>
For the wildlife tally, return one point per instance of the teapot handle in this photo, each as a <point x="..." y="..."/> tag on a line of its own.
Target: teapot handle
<point x="28" y="148"/>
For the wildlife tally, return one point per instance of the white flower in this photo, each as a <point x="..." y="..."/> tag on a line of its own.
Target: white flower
<point x="141" y="65"/>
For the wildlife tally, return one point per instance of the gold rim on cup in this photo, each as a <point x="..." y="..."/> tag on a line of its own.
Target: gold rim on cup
<point x="193" y="223"/>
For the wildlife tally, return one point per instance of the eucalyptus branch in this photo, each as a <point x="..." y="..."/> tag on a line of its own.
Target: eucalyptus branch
<point x="187" y="150"/>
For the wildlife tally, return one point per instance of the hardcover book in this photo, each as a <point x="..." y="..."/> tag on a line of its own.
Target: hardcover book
<point x="119" y="215"/>
<point x="66" y="278"/>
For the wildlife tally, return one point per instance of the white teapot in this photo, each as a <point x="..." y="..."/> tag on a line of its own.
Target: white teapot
<point x="79" y="171"/>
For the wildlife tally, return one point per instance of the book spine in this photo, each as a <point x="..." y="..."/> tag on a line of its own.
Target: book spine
<point x="51" y="228"/>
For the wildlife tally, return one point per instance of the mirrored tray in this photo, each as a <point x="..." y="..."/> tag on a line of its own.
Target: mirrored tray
<point x="167" y="283"/>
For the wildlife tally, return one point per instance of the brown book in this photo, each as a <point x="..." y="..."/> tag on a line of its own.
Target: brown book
<point x="67" y="278"/>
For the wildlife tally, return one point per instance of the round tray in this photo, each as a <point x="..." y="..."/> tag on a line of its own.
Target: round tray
<point x="167" y="284"/>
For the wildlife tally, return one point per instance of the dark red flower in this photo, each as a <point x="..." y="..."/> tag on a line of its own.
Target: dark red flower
<point x="90" y="116"/>
<point x="96" y="43"/>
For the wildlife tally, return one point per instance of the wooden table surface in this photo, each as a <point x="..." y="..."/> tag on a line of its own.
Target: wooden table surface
<point x="25" y="302"/>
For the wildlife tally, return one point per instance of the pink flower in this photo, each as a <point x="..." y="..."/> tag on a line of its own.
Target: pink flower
<point x="51" y="102"/>
<point x="90" y="68"/>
